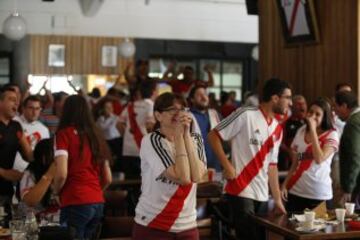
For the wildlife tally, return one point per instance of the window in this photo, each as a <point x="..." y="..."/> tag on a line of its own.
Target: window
<point x="4" y="70"/>
<point x="232" y="78"/>
<point x="228" y="75"/>
<point x="57" y="83"/>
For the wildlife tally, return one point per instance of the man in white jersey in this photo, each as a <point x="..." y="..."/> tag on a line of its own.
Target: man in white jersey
<point x="255" y="136"/>
<point x="137" y="120"/>
<point x="34" y="130"/>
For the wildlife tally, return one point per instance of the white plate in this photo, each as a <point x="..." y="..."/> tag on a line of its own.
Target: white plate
<point x="315" y="229"/>
<point x="5" y="232"/>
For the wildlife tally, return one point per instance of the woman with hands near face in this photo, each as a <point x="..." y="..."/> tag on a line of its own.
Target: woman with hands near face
<point x="172" y="162"/>
<point x="308" y="182"/>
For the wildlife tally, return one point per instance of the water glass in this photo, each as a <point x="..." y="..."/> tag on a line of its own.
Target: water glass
<point x="17" y="228"/>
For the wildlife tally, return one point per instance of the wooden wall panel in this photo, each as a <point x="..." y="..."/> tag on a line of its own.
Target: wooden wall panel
<point x="313" y="70"/>
<point x="82" y="55"/>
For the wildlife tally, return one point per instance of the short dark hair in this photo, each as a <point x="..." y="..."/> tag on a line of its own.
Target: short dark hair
<point x="341" y="85"/>
<point x="11" y="85"/>
<point x="147" y="88"/>
<point x="326" y="123"/>
<point x="140" y="62"/>
<point x="274" y="86"/>
<point x="188" y="67"/>
<point x="194" y="89"/>
<point x="5" y="89"/>
<point x="348" y="98"/>
<point x="32" y="98"/>
<point x="59" y="95"/>
<point x="224" y="96"/>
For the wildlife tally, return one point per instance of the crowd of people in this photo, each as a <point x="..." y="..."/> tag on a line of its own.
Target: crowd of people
<point x="59" y="152"/>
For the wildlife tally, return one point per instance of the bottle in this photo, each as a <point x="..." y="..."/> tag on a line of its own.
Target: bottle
<point x="31" y="225"/>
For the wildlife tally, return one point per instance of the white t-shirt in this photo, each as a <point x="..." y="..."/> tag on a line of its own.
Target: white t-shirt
<point x="144" y="114"/>
<point x="254" y="146"/>
<point x="108" y="126"/>
<point x="34" y="131"/>
<point x="312" y="180"/>
<point x="164" y="204"/>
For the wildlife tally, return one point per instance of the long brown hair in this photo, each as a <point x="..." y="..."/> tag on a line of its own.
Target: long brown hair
<point x="76" y="113"/>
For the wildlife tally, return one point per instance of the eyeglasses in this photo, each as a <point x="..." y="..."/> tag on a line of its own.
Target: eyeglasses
<point x="174" y="110"/>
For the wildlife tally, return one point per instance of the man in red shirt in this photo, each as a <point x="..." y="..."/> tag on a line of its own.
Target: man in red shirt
<point x="184" y="86"/>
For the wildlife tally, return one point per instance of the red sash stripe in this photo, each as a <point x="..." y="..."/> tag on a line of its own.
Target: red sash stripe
<point x="293" y="17"/>
<point x="305" y="164"/>
<point x="236" y="186"/>
<point x="166" y="218"/>
<point x="134" y="127"/>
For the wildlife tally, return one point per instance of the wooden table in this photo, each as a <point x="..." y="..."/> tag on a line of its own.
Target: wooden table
<point x="282" y="226"/>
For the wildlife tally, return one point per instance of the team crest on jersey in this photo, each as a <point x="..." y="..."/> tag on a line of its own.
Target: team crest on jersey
<point x="256" y="142"/>
<point x="305" y="156"/>
<point x="163" y="179"/>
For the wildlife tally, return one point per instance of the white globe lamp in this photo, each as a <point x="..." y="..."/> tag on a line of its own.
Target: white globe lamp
<point x="14" y="27"/>
<point x="127" y="48"/>
<point x="255" y="53"/>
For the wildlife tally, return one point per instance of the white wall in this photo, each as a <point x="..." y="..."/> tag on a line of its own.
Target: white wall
<point x="209" y="20"/>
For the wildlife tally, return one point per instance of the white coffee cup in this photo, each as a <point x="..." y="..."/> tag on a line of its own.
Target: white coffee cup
<point x="2" y="211"/>
<point x="349" y="208"/>
<point x="308" y="224"/>
<point x="340" y="214"/>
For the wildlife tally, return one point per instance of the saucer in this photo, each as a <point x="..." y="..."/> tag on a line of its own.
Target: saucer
<point x="314" y="229"/>
<point x="5" y="232"/>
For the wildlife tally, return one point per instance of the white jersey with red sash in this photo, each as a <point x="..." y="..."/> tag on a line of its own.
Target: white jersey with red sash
<point x="310" y="179"/>
<point x="163" y="204"/>
<point x="136" y="116"/>
<point x="34" y="131"/>
<point x="254" y="146"/>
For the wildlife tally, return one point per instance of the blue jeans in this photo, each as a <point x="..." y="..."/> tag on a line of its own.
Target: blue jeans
<point x="82" y="219"/>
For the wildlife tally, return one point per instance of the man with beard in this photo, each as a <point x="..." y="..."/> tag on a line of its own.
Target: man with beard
<point x="205" y="120"/>
<point x="255" y="136"/>
<point x="12" y="141"/>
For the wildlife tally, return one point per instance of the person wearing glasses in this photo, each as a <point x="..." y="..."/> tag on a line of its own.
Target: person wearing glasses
<point x="172" y="162"/>
<point x="34" y="130"/>
<point x="255" y="136"/>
